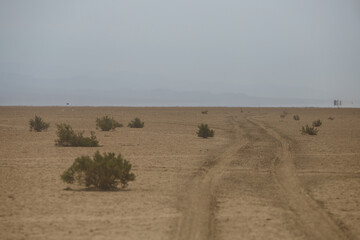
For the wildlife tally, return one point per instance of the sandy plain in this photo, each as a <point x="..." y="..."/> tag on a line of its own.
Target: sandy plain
<point x="258" y="178"/>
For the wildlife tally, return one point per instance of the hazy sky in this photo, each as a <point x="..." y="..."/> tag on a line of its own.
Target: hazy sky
<point x="280" y="48"/>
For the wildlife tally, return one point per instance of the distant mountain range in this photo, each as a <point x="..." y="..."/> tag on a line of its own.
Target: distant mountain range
<point x="22" y="90"/>
<point x="126" y="97"/>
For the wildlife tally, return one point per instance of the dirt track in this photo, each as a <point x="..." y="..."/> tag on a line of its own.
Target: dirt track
<point x="200" y="206"/>
<point x="259" y="178"/>
<point x="314" y="220"/>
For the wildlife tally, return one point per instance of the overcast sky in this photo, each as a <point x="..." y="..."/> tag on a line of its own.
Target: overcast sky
<point x="279" y="48"/>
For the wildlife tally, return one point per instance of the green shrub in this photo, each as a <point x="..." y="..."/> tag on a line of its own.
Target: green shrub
<point x="106" y="123"/>
<point x="317" y="123"/>
<point x="309" y="130"/>
<point x="136" y="123"/>
<point x="205" y="112"/>
<point x="296" y="117"/>
<point x="104" y="172"/>
<point x="68" y="138"/>
<point x="37" y="124"/>
<point x="204" y="131"/>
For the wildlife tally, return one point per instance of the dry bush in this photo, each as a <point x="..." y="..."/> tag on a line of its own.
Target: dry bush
<point x="106" y="123"/>
<point x="38" y="125"/>
<point x="296" y="117"/>
<point x="68" y="138"/>
<point x="317" y="123"/>
<point x="309" y="130"/>
<point x="104" y="172"/>
<point x="205" y="112"/>
<point x="136" y="123"/>
<point x="204" y="131"/>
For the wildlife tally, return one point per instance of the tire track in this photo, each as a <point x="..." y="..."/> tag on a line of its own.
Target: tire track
<point x="198" y="202"/>
<point x="315" y="221"/>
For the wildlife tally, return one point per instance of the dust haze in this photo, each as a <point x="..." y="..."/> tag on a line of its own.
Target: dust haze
<point x="304" y="53"/>
<point x="240" y="136"/>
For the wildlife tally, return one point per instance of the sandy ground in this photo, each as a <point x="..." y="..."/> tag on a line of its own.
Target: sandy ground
<point x="258" y="178"/>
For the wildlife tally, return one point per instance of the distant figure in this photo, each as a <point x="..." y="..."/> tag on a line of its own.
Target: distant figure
<point x="337" y="103"/>
<point x="67" y="104"/>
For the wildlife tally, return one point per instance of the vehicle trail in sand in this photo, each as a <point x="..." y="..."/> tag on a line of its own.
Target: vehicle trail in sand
<point x="197" y="221"/>
<point x="198" y="203"/>
<point x="316" y="222"/>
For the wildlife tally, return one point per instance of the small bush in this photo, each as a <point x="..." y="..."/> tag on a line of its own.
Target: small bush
<point x="38" y="125"/>
<point x="136" y="123"/>
<point x="317" y="123"/>
<point x="106" y="123"/>
<point x="296" y="117"/>
<point x="104" y="172"/>
<point x="205" y="112"/>
<point x="68" y="138"/>
<point x="204" y="131"/>
<point x="331" y="118"/>
<point x="309" y="130"/>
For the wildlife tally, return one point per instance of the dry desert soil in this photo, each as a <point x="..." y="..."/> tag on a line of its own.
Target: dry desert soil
<point x="258" y="178"/>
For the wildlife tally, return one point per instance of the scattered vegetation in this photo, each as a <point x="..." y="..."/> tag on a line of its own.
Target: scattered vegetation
<point x="68" y="138"/>
<point x="309" y="130"/>
<point x="204" y="131"/>
<point x="136" y="123"/>
<point x="317" y="123"/>
<point x="38" y="125"/>
<point x="104" y="172"/>
<point x="296" y="117"/>
<point x="331" y="118"/>
<point x="205" y="112"/>
<point x="106" y="123"/>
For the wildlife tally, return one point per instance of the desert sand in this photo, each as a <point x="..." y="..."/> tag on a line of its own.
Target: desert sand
<point x="258" y="178"/>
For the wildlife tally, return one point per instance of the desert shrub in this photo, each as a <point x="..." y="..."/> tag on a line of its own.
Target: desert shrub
<point x="38" y="125"/>
<point x="104" y="172"/>
<point x="68" y="138"/>
<point x="317" y="123"/>
<point x="204" y="131"/>
<point x="331" y="118"/>
<point x="309" y="130"/>
<point x="136" y="123"/>
<point x="106" y="123"/>
<point x="205" y="112"/>
<point x="296" y="117"/>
